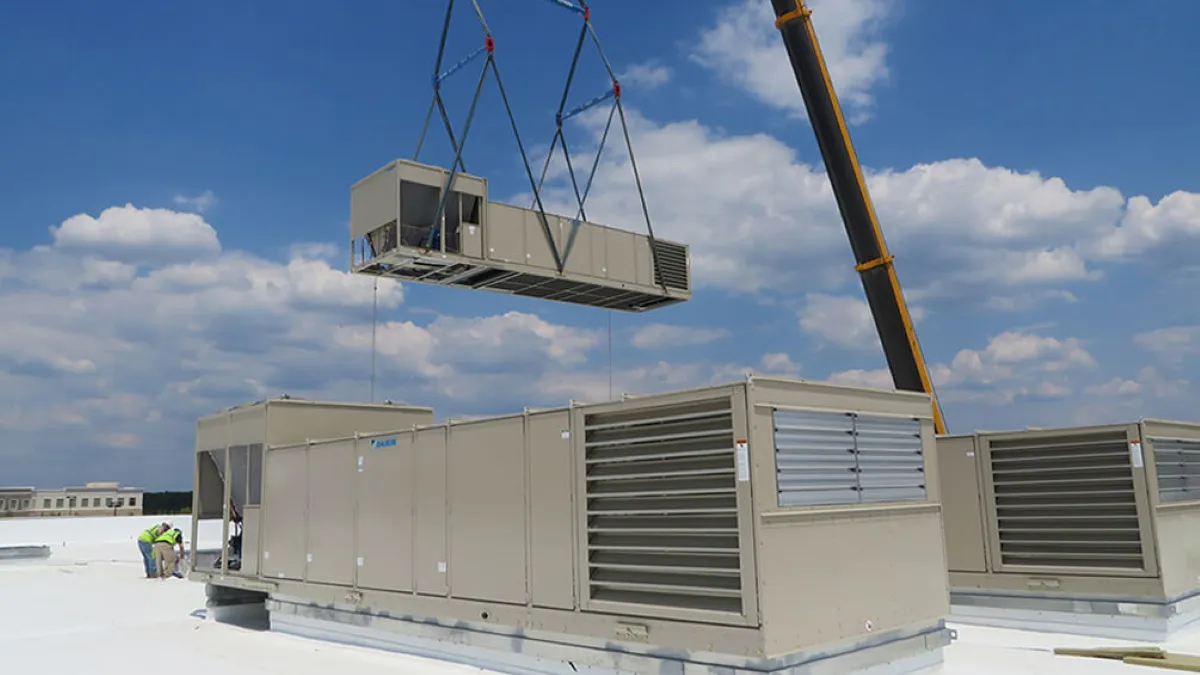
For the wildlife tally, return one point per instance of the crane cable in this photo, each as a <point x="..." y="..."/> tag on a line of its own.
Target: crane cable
<point x="616" y="111"/>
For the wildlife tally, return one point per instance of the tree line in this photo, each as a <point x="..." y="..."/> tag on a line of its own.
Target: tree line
<point x="166" y="503"/>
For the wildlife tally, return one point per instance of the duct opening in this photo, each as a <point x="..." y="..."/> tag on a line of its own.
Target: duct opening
<point x="662" y="508"/>
<point x="1066" y="502"/>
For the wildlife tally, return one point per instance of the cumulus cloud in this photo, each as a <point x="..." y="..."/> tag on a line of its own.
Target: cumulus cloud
<point x="843" y="321"/>
<point x="145" y="230"/>
<point x="743" y="46"/>
<point x="1014" y="364"/>
<point x="758" y="219"/>
<point x="134" y="321"/>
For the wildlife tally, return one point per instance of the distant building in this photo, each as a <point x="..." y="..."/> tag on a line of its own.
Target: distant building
<point x="93" y="499"/>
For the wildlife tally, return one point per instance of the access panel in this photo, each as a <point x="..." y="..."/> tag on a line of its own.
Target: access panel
<point x="487" y="510"/>
<point x="429" y="449"/>
<point x="331" y="501"/>
<point x="387" y="483"/>
<point x="285" y="496"/>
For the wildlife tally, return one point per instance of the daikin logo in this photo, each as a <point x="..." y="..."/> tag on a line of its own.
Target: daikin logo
<point x="383" y="443"/>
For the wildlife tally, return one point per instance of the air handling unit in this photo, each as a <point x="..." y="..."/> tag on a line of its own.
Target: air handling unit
<point x="405" y="226"/>
<point x="1087" y="530"/>
<point x="229" y="460"/>
<point x="765" y="526"/>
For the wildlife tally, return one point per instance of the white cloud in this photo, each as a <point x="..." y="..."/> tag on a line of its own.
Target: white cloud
<point x="664" y="336"/>
<point x="646" y="76"/>
<point x="1013" y="364"/>
<point x="1172" y="343"/>
<point x="1149" y="383"/>
<point x="844" y="321"/>
<point x="877" y="379"/>
<point x="758" y="219"/>
<point x="744" y="47"/>
<point x="200" y="203"/>
<point x="126" y="227"/>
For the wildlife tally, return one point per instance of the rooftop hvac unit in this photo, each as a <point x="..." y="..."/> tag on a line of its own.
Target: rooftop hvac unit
<point x="766" y="526"/>
<point x="229" y="462"/>
<point x="1088" y="530"/>
<point x="484" y="245"/>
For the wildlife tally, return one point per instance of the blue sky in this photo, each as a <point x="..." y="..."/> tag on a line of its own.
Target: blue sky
<point x="174" y="193"/>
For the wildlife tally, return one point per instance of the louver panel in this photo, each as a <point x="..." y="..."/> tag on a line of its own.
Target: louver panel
<point x="891" y="464"/>
<point x="1066" y="501"/>
<point x="824" y="459"/>
<point x="671" y="265"/>
<point x="662" y="507"/>
<point x="814" y="458"/>
<point x="1178" y="465"/>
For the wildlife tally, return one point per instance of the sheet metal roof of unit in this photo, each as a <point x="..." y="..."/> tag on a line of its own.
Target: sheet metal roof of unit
<point x="751" y="378"/>
<point x="292" y="400"/>
<point x="1076" y="427"/>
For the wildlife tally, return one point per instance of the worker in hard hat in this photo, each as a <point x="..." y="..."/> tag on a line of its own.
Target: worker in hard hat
<point x="164" y="552"/>
<point x="146" y="546"/>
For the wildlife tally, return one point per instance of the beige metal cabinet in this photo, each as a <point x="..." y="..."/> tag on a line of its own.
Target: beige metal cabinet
<point x="720" y="521"/>
<point x="483" y="245"/>
<point x="1089" y="524"/>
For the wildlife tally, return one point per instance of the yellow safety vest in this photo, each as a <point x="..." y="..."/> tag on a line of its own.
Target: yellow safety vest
<point x="169" y="537"/>
<point x="149" y="535"/>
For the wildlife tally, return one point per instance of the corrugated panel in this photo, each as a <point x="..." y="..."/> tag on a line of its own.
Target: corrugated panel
<point x="826" y="458"/>
<point x="1178" y="465"/>
<point x="1066" y="501"/>
<point x="662" y="507"/>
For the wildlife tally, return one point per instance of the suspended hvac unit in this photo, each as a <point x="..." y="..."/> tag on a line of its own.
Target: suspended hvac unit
<point x="229" y="461"/>
<point x="403" y="228"/>
<point x="765" y="526"/>
<point x="1088" y="530"/>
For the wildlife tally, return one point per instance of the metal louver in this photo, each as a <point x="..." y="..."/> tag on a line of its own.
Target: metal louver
<point x="1063" y="502"/>
<point x="1177" y="462"/>
<point x="670" y="265"/>
<point x="662" y="518"/>
<point x="827" y="458"/>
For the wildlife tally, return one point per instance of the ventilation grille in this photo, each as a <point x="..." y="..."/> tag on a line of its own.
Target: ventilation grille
<point x="670" y="265"/>
<point x="662" y="507"/>
<point x="1066" y="501"/>
<point x="1178" y="465"/>
<point x="824" y="458"/>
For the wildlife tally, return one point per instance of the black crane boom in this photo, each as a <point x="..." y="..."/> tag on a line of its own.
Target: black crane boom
<point x="874" y="262"/>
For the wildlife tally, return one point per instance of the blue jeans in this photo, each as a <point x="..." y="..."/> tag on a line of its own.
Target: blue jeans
<point x="147" y="550"/>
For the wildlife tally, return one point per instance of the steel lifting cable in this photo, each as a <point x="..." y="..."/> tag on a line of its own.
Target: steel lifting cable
<point x="615" y="110"/>
<point x="489" y="48"/>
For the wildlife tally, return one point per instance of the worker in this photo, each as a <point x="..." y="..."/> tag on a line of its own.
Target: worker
<point x="146" y="546"/>
<point x="164" y="552"/>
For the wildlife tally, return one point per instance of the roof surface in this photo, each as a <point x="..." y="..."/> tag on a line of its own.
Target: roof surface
<point x="88" y="609"/>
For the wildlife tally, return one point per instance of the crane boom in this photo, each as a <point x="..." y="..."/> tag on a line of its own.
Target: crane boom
<point x="874" y="262"/>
